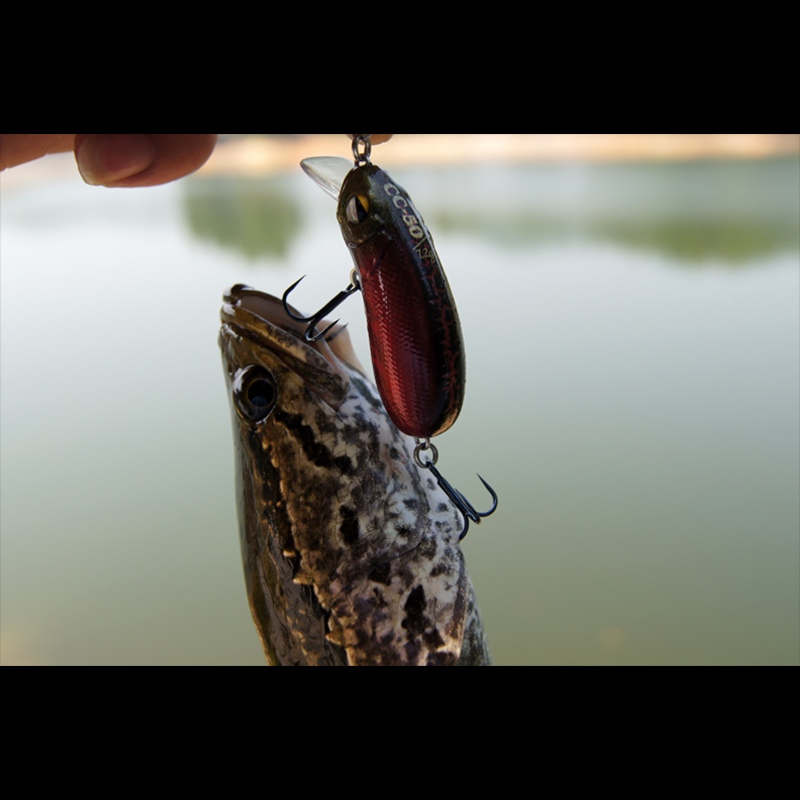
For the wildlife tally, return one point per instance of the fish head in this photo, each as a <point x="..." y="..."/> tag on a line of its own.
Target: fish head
<point x="263" y="346"/>
<point x="350" y="550"/>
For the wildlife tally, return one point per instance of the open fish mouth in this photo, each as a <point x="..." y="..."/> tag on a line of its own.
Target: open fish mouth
<point x="253" y="320"/>
<point x="264" y="319"/>
<point x="265" y="307"/>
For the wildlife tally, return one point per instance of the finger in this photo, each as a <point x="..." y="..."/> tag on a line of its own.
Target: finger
<point x="19" y="148"/>
<point x="140" y="159"/>
<point x="376" y="138"/>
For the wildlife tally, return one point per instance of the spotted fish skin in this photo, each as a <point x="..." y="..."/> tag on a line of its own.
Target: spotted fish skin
<point x="350" y="551"/>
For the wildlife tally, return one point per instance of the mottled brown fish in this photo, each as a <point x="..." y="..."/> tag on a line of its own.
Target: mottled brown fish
<point x="351" y="551"/>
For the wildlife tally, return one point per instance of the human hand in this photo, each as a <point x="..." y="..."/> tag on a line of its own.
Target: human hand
<point x="121" y="159"/>
<point x="115" y="159"/>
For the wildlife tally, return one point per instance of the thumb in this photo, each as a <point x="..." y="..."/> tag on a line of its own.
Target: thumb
<point x="140" y="159"/>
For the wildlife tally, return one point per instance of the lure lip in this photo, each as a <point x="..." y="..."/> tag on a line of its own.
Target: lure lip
<point x="328" y="172"/>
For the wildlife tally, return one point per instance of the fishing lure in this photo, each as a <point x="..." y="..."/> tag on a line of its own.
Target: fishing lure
<point x="414" y="329"/>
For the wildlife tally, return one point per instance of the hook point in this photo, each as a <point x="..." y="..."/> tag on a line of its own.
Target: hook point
<point x="286" y="304"/>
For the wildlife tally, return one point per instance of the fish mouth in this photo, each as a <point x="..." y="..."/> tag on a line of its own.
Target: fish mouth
<point x="249" y="309"/>
<point x="263" y="320"/>
<point x="264" y="306"/>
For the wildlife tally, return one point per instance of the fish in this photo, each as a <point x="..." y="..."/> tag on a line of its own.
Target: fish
<point x="415" y="334"/>
<point x="350" y="550"/>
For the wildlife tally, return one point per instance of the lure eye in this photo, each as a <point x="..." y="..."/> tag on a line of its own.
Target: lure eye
<point x="255" y="393"/>
<point x="357" y="209"/>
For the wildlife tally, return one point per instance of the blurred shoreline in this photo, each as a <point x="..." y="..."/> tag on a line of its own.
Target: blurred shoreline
<point x="257" y="155"/>
<point x="254" y="154"/>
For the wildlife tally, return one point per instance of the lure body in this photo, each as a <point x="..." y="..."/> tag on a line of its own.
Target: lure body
<point x="414" y="330"/>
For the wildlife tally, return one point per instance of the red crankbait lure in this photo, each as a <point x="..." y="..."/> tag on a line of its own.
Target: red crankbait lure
<point x="414" y="329"/>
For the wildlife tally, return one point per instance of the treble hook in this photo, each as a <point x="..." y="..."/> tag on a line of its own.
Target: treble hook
<point x="315" y="319"/>
<point x="456" y="498"/>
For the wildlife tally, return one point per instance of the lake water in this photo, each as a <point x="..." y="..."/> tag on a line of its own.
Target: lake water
<point x="633" y="342"/>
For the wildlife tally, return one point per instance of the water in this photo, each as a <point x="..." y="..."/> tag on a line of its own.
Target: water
<point x="633" y="340"/>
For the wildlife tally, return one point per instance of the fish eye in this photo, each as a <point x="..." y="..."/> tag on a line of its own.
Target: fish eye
<point x="255" y="393"/>
<point x="357" y="209"/>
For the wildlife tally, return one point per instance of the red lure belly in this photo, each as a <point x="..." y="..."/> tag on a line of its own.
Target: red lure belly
<point x="414" y="329"/>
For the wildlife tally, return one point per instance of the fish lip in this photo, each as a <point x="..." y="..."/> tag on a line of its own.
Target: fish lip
<point x="267" y="324"/>
<point x="276" y="316"/>
<point x="335" y="346"/>
<point x="266" y="321"/>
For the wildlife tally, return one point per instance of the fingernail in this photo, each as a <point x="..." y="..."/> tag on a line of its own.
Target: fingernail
<point x="107" y="158"/>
